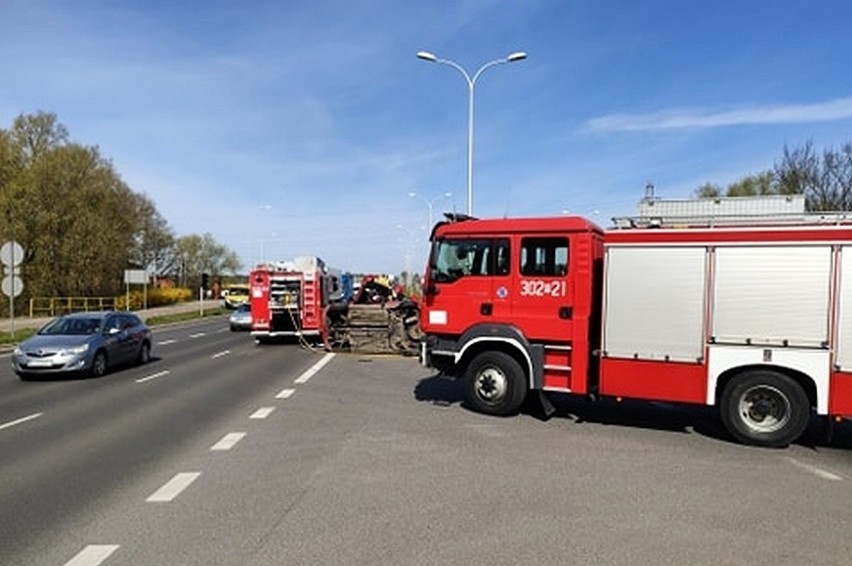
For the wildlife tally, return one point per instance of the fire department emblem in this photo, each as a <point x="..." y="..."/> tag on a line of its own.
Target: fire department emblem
<point x="502" y="292"/>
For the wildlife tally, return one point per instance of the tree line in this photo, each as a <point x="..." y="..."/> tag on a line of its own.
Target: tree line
<point x="824" y="178"/>
<point x="81" y="225"/>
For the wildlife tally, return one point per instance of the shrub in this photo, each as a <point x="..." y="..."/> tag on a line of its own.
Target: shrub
<point x="156" y="298"/>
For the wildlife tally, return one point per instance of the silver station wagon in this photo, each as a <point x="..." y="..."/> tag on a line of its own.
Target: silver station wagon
<point x="83" y="343"/>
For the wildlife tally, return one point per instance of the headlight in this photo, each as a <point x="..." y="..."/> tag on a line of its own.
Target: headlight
<point x="18" y="351"/>
<point x="81" y="349"/>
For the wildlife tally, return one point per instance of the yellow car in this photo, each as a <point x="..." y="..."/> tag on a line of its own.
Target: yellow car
<point x="235" y="295"/>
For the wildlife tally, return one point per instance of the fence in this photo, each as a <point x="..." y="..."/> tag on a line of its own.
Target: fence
<point x="52" y="306"/>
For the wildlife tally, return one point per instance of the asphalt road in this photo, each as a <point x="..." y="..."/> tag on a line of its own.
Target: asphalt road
<point x="221" y="452"/>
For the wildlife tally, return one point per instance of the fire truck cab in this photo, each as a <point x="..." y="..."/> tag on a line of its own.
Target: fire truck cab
<point x="756" y="320"/>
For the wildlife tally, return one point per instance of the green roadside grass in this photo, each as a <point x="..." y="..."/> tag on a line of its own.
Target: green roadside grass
<point x="184" y="316"/>
<point x="25" y="332"/>
<point x="20" y="335"/>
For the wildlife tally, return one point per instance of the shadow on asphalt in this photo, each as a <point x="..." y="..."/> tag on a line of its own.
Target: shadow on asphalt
<point x="49" y="377"/>
<point x="686" y="419"/>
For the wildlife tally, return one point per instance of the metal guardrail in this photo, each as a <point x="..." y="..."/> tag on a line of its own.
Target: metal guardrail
<point x="53" y="306"/>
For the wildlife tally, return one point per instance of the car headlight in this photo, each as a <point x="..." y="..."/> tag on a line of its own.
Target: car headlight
<point x="18" y="351"/>
<point x="81" y="349"/>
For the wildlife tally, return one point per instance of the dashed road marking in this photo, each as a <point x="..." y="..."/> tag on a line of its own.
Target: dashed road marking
<point x="228" y="441"/>
<point x="152" y="376"/>
<point x="220" y="354"/>
<point x="22" y="420"/>
<point x="262" y="413"/>
<point x="198" y="335"/>
<point x="819" y="472"/>
<point x="173" y="487"/>
<point x="92" y="555"/>
<point x="166" y="342"/>
<point x="309" y="373"/>
<point x="285" y="394"/>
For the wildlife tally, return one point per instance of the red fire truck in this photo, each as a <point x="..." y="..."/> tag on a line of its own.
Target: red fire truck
<point x="288" y="298"/>
<point x="756" y="320"/>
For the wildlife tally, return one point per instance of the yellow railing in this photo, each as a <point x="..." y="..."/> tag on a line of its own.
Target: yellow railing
<point x="52" y="306"/>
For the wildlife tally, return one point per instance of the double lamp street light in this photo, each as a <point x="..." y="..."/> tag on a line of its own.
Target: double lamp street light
<point x="471" y="83"/>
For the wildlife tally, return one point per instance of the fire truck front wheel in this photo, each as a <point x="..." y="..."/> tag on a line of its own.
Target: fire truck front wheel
<point x="765" y="408"/>
<point x="494" y="384"/>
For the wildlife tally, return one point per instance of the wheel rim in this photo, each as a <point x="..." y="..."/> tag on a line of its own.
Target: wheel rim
<point x="764" y="409"/>
<point x="99" y="365"/>
<point x="491" y="385"/>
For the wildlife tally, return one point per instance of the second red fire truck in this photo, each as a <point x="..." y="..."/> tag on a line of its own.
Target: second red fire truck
<point x="756" y="320"/>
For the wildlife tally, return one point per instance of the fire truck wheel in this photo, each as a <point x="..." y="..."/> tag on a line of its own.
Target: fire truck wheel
<point x="765" y="408"/>
<point x="494" y="384"/>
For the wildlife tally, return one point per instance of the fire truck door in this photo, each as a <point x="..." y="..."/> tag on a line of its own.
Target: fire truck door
<point x="542" y="296"/>
<point x="462" y="274"/>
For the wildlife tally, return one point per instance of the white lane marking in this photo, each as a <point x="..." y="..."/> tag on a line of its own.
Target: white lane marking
<point x="314" y="369"/>
<point x="152" y="376"/>
<point x="228" y="441"/>
<point x="166" y="342"/>
<point x="92" y="555"/>
<point x="262" y="413"/>
<point x="220" y="354"/>
<point x="198" y="335"/>
<point x="10" y="424"/>
<point x="826" y="475"/>
<point x="173" y="487"/>
<point x="285" y="393"/>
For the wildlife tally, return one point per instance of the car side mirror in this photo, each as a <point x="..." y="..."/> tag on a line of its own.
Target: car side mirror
<point x="113" y="330"/>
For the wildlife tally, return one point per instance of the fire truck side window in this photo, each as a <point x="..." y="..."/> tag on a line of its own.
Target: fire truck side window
<point x="544" y="256"/>
<point x="502" y="257"/>
<point x="454" y="259"/>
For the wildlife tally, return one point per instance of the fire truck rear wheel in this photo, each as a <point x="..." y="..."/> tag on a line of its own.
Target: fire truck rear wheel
<point x="765" y="408"/>
<point x="494" y="383"/>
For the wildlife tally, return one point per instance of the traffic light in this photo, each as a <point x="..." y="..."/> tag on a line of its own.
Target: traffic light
<point x="205" y="280"/>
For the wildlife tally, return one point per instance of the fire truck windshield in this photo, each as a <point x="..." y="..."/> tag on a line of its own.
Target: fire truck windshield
<point x="453" y="259"/>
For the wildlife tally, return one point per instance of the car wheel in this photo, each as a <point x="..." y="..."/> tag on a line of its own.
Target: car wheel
<point x="144" y="354"/>
<point x="99" y="364"/>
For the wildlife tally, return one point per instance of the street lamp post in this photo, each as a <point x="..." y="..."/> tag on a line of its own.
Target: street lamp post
<point x="471" y="83"/>
<point x="430" y="203"/>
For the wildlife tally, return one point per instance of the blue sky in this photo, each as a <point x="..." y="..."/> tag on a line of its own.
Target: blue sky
<point x="296" y="127"/>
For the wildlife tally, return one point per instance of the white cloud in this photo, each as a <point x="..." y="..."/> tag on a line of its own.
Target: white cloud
<point x="831" y="110"/>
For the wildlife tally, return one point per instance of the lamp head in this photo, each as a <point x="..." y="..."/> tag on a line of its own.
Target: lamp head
<point x="516" y="56"/>
<point x="426" y="56"/>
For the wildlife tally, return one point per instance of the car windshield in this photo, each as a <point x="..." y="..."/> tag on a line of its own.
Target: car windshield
<point x="71" y="326"/>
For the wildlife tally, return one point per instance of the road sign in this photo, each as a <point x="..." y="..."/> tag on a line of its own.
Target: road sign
<point x="12" y="286"/>
<point x="11" y="254"/>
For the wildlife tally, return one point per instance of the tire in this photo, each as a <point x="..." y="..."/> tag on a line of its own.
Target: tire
<point x="494" y="384"/>
<point x="99" y="364"/>
<point x="765" y="408"/>
<point x="144" y="354"/>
